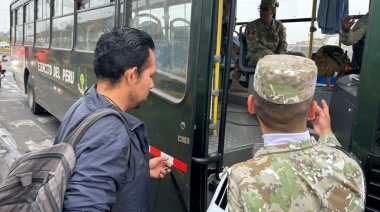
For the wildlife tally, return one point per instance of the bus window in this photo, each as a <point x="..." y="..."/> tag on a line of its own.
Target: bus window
<point x="63" y="25"/>
<point x="19" y="25"/>
<point x="62" y="7"/>
<point x="150" y="22"/>
<point x="43" y="9"/>
<point x="179" y="35"/>
<point x="169" y="27"/>
<point x="91" y="24"/>
<point x="298" y="37"/>
<point x="43" y="33"/>
<point x="13" y="24"/>
<point x="121" y="17"/>
<point x="247" y="11"/>
<point x="293" y="9"/>
<point x="359" y="7"/>
<point x="63" y="32"/>
<point x="43" y="23"/>
<point x="29" y="23"/>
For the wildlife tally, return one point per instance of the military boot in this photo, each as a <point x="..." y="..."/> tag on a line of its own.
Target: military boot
<point x="236" y="87"/>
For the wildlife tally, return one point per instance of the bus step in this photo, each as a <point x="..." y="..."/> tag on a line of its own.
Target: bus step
<point x="371" y="209"/>
<point x="372" y="202"/>
<point x="375" y="173"/>
<point x="375" y="186"/>
<point x="373" y="196"/>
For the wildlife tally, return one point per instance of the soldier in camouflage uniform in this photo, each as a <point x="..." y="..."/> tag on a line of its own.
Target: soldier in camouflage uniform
<point x="350" y="36"/>
<point x="354" y="36"/>
<point x="293" y="171"/>
<point x="235" y="86"/>
<point x="266" y="36"/>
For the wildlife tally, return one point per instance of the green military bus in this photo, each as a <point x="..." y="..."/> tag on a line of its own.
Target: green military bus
<point x="191" y="116"/>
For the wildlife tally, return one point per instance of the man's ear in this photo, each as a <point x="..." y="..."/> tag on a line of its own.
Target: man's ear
<point x="312" y="110"/>
<point x="273" y="11"/>
<point x="251" y="105"/>
<point x="131" y="74"/>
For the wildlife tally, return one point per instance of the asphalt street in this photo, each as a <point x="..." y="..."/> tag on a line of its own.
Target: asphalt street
<point x="20" y="130"/>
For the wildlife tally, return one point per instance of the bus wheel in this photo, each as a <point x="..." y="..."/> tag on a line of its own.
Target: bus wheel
<point x="34" y="107"/>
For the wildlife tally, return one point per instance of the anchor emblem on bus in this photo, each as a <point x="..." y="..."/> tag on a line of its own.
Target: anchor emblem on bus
<point x="82" y="83"/>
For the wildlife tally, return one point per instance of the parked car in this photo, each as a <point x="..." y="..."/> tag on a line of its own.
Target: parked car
<point x="4" y="45"/>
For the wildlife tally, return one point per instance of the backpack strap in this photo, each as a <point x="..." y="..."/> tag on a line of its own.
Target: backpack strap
<point x="219" y="200"/>
<point x="74" y="137"/>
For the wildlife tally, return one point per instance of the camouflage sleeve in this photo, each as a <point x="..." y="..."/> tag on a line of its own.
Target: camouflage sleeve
<point x="253" y="41"/>
<point x="282" y="45"/>
<point x="235" y="51"/>
<point x="329" y="139"/>
<point x="235" y="202"/>
<point x="356" y="33"/>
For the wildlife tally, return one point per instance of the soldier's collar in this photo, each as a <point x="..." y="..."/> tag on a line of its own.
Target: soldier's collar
<point x="272" y="24"/>
<point x="289" y="147"/>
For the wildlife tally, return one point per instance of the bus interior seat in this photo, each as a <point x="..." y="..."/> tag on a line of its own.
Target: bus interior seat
<point x="179" y="43"/>
<point x="243" y="64"/>
<point x="155" y="30"/>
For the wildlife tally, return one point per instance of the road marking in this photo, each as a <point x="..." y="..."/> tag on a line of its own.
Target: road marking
<point x="34" y="146"/>
<point x="9" y="145"/>
<point x="46" y="120"/>
<point x="23" y="122"/>
<point x="11" y="100"/>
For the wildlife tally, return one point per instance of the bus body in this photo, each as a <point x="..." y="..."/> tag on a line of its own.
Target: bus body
<point x="52" y="44"/>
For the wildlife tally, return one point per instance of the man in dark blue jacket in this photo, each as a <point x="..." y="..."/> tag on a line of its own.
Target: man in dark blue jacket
<point x="124" y="64"/>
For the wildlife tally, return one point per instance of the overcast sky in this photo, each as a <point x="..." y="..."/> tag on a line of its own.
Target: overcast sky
<point x="4" y="15"/>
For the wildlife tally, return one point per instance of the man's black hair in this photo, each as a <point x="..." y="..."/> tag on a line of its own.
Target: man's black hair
<point x="121" y="49"/>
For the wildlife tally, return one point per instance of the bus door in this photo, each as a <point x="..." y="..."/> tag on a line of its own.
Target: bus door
<point x="167" y="112"/>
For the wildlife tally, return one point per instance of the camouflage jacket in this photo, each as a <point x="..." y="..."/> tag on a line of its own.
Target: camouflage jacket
<point x="265" y="39"/>
<point x="299" y="176"/>
<point x="357" y="32"/>
<point x="223" y="47"/>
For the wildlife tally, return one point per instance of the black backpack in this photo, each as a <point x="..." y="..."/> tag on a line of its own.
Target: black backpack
<point x="37" y="181"/>
<point x="330" y="59"/>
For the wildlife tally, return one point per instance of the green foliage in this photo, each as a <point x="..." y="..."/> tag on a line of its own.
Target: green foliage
<point x="4" y="39"/>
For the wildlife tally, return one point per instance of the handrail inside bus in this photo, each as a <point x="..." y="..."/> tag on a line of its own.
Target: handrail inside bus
<point x="295" y="20"/>
<point x="171" y="76"/>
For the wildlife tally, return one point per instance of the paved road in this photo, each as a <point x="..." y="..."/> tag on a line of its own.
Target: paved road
<point x="20" y="130"/>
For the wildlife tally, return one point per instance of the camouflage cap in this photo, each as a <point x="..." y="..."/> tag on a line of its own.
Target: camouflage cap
<point x="268" y="3"/>
<point x="285" y="79"/>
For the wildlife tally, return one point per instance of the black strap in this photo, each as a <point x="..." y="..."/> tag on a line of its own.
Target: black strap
<point x="179" y="193"/>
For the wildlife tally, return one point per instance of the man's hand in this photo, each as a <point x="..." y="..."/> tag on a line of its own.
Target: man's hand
<point x="322" y="121"/>
<point x="347" y="23"/>
<point x="159" y="167"/>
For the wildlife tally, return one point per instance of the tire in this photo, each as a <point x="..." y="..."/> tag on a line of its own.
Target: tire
<point x="34" y="107"/>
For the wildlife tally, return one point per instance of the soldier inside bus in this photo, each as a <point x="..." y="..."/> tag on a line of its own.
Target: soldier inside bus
<point x="294" y="171"/>
<point x="235" y="86"/>
<point x="354" y="37"/>
<point x="265" y="35"/>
